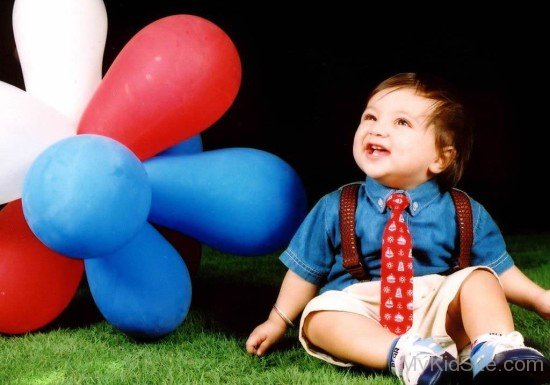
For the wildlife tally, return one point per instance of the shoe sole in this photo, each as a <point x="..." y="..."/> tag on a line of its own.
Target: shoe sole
<point x="533" y="370"/>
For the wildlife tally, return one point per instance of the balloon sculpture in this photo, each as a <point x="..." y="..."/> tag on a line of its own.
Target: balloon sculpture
<point x="89" y="196"/>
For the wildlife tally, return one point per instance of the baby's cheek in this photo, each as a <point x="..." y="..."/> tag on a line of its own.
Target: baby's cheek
<point x="358" y="138"/>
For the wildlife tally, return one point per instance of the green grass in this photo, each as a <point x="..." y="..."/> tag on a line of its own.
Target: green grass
<point x="231" y="296"/>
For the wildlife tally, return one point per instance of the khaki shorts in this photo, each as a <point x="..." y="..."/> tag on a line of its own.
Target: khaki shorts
<point x="431" y="297"/>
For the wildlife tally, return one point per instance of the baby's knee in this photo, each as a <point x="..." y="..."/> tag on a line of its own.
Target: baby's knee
<point x="481" y="275"/>
<point x="479" y="282"/>
<point x="312" y="323"/>
<point x="317" y="323"/>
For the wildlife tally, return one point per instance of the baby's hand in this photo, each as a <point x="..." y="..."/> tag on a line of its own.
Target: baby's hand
<point x="264" y="336"/>
<point x="542" y="304"/>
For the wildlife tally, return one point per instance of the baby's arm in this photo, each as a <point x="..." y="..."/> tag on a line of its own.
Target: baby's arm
<point x="293" y="297"/>
<point x="520" y="290"/>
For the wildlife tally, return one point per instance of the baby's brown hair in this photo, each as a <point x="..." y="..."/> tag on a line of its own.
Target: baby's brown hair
<point x="448" y="117"/>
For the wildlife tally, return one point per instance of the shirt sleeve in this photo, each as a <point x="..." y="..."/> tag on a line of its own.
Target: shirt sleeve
<point x="310" y="253"/>
<point x="489" y="248"/>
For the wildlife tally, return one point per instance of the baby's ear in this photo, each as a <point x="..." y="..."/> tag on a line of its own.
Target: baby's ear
<point x="445" y="157"/>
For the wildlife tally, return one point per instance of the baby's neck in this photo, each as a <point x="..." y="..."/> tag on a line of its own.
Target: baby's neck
<point x="402" y="185"/>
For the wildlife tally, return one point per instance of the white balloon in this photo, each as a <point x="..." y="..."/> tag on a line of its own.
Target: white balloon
<point x="60" y="45"/>
<point x="27" y="127"/>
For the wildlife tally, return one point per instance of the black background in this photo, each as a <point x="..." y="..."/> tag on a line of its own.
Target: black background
<point x="307" y="69"/>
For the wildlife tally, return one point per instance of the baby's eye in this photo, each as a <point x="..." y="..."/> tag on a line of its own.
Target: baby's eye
<point x="369" y="117"/>
<point x="403" y="122"/>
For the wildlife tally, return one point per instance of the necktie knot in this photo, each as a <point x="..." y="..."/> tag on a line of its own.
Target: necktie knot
<point x="397" y="202"/>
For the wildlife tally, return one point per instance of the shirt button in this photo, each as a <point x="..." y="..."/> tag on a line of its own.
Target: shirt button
<point x="415" y="206"/>
<point x="380" y="202"/>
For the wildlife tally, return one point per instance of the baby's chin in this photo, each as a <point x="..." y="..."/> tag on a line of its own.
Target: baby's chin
<point x="387" y="180"/>
<point x="371" y="170"/>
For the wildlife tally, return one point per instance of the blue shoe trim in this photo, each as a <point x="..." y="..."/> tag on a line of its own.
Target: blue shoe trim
<point x="477" y="347"/>
<point x="487" y="352"/>
<point x="428" y="343"/>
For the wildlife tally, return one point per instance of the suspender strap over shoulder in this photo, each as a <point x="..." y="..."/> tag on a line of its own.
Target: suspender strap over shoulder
<point x="351" y="254"/>
<point x="464" y="224"/>
<point x="350" y="250"/>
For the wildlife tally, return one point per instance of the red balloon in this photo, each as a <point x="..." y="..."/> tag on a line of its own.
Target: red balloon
<point x="36" y="283"/>
<point x="172" y="80"/>
<point x="189" y="248"/>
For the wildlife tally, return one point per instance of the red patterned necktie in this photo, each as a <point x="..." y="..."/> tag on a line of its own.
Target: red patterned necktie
<point x="396" y="287"/>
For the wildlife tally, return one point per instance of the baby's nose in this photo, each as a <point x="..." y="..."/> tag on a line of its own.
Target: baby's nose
<point x="377" y="130"/>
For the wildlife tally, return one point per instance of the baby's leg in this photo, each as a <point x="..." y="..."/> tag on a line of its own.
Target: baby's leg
<point x="342" y="328"/>
<point x="480" y="313"/>
<point x="479" y="307"/>
<point x="350" y="337"/>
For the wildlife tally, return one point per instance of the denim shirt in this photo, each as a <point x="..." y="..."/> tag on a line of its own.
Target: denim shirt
<point x="315" y="252"/>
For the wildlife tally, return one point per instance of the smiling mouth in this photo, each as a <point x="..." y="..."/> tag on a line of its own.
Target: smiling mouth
<point x="376" y="150"/>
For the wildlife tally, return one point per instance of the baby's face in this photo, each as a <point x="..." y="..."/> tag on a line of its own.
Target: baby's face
<point x="394" y="144"/>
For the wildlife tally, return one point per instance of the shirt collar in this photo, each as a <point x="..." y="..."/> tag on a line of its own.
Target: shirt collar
<point x="419" y="197"/>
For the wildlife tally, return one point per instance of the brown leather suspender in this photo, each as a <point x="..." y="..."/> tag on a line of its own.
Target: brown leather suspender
<point x="464" y="224"/>
<point x="351" y="258"/>
<point x="350" y="249"/>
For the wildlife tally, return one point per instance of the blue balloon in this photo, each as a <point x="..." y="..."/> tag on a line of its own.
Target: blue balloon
<point x="86" y="196"/>
<point x="144" y="288"/>
<point x="190" y="146"/>
<point x="238" y="200"/>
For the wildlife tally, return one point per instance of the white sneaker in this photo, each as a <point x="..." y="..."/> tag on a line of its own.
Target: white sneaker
<point x="421" y="361"/>
<point x="507" y="357"/>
